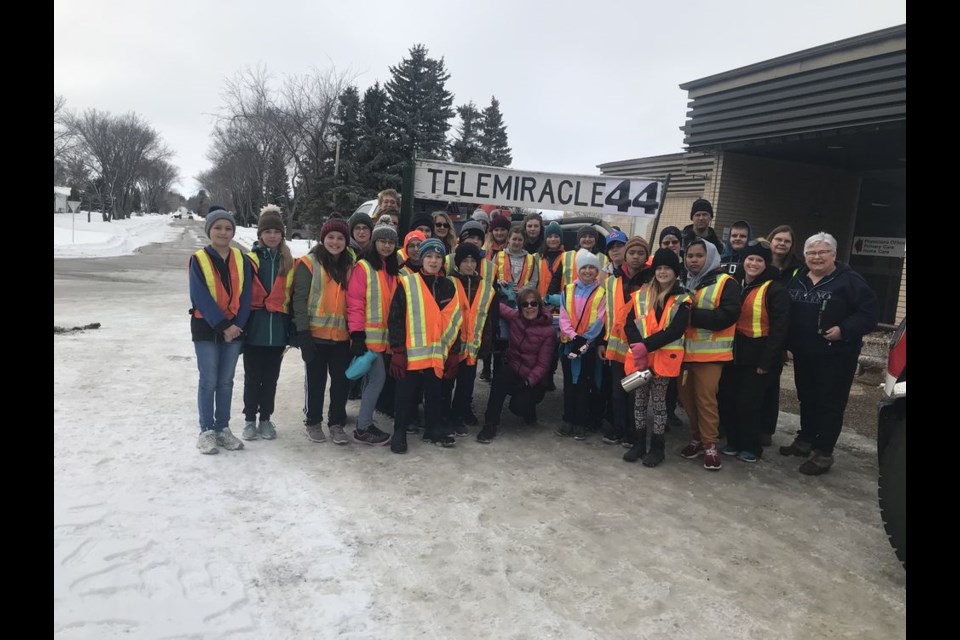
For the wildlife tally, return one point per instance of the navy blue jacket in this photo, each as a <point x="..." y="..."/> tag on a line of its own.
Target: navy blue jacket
<point x="213" y="323"/>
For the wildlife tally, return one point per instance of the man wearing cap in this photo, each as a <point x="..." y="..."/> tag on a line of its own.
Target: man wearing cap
<point x="701" y="215"/>
<point x="423" y="329"/>
<point x="759" y="341"/>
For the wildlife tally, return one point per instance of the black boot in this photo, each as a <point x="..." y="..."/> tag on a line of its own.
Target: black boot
<point x="487" y="434"/>
<point x="439" y="437"/>
<point x="639" y="447"/>
<point x="655" y="456"/>
<point x="398" y="443"/>
<point x="629" y="436"/>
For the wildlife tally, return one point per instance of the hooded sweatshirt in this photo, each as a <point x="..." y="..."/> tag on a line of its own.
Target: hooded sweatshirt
<point x="728" y="307"/>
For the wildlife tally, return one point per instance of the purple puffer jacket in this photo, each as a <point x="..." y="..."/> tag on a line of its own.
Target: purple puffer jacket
<point x="532" y="344"/>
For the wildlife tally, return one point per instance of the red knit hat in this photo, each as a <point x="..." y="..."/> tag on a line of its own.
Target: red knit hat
<point x="335" y="223"/>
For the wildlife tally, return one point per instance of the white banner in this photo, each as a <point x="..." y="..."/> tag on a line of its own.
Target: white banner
<point x="451" y="181"/>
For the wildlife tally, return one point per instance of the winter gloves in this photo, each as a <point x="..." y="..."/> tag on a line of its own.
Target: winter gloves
<point x="639" y="351"/>
<point x="398" y="365"/>
<point x="578" y="347"/>
<point x="304" y="342"/>
<point x="358" y="343"/>
<point x="451" y="366"/>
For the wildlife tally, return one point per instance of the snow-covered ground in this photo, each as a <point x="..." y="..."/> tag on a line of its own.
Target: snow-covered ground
<point x="530" y="537"/>
<point x="74" y="237"/>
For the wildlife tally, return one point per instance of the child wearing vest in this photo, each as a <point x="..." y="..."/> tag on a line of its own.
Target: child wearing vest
<point x="220" y="291"/>
<point x="268" y="330"/>
<point x="655" y="323"/>
<point x="499" y="230"/>
<point x="320" y="315"/>
<point x="625" y="276"/>
<point x="475" y="295"/>
<point x="423" y="329"/>
<point x="514" y="268"/>
<point x="409" y="255"/>
<point x="582" y="318"/>
<point x="550" y="280"/>
<point x="709" y="344"/>
<point x="368" y="301"/>
<point x="588" y="239"/>
<point x="760" y="337"/>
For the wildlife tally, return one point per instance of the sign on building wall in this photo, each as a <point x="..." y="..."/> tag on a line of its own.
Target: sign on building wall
<point x="479" y="184"/>
<point x="887" y="247"/>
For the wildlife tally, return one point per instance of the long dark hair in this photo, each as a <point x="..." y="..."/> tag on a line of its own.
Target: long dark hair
<point x="792" y="258"/>
<point x="337" y="267"/>
<point x="391" y="264"/>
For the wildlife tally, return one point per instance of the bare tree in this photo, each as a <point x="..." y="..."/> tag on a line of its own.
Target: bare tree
<point x="63" y="140"/>
<point x="154" y="183"/>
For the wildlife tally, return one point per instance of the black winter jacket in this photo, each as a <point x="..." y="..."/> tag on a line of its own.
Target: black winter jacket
<point x="765" y="353"/>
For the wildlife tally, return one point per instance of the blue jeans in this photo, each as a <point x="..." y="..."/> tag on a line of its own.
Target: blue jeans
<point x="217" y="362"/>
<point x="372" y="386"/>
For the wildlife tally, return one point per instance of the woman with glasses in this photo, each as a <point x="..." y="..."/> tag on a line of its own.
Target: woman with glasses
<point x="443" y="229"/>
<point x="526" y="364"/>
<point x="782" y="249"/>
<point x="832" y="308"/>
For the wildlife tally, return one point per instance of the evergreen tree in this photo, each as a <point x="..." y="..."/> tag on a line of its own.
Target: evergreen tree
<point x="347" y="129"/>
<point x="419" y="106"/>
<point x="466" y="148"/>
<point x="277" y="188"/>
<point x="493" y="137"/>
<point x="378" y="155"/>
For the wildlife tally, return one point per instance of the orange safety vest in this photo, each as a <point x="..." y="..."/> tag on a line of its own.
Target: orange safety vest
<point x="704" y="345"/>
<point x="547" y="269"/>
<point x="380" y="290"/>
<point x="474" y="317"/>
<point x="485" y="267"/>
<point x="278" y="300"/>
<point x="753" y="321"/>
<point x="327" y="304"/>
<point x="570" y="267"/>
<point x="617" y="308"/>
<point x="591" y="307"/>
<point x="228" y="301"/>
<point x="665" y="361"/>
<point x="503" y="270"/>
<point x="431" y="332"/>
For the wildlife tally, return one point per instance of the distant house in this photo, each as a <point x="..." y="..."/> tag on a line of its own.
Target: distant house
<point x="60" y="197"/>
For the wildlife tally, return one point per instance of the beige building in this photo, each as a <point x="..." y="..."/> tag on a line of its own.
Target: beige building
<point x="814" y="139"/>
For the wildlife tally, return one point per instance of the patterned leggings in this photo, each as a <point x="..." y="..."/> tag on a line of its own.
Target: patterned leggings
<point x="658" y="388"/>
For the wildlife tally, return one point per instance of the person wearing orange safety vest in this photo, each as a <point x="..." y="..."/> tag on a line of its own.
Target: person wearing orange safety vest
<point x="220" y="291"/>
<point x="408" y="256"/>
<point x="268" y="331"/>
<point x="761" y="335"/>
<point x="709" y="344"/>
<point x="624" y="277"/>
<point x="371" y="289"/>
<point x="654" y="326"/>
<point x="514" y="269"/>
<point x="475" y="294"/>
<point x="588" y="238"/>
<point x="423" y="331"/>
<point x="320" y="315"/>
<point x="582" y="316"/>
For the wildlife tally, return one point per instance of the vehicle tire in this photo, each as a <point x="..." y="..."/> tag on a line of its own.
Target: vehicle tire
<point x="893" y="490"/>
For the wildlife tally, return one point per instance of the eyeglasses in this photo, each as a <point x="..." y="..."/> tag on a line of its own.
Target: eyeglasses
<point x="670" y="242"/>
<point x="413" y="245"/>
<point x="529" y="304"/>
<point x="761" y="243"/>
<point x="818" y="254"/>
<point x="441" y="225"/>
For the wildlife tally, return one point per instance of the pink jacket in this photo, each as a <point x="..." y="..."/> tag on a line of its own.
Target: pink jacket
<point x="532" y="344"/>
<point x="357" y="300"/>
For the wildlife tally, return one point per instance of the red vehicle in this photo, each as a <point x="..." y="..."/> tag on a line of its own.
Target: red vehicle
<point x="892" y="445"/>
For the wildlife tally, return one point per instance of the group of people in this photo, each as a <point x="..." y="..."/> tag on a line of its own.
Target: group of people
<point x="694" y="322"/>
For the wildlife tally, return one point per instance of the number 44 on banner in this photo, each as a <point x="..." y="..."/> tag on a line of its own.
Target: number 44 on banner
<point x="632" y="197"/>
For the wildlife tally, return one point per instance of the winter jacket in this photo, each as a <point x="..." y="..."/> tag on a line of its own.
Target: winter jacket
<point x="673" y="331"/>
<point x="300" y="297"/>
<point x="843" y="299"/>
<point x="728" y="307"/>
<point x="532" y="344"/>
<point x="766" y="352"/>
<point x="471" y="285"/>
<point x="268" y="328"/>
<point x="689" y="235"/>
<point x="444" y="292"/>
<point x="357" y="299"/>
<point x="211" y="326"/>
<point x="629" y="283"/>
<point x="556" y="280"/>
<point x="581" y="293"/>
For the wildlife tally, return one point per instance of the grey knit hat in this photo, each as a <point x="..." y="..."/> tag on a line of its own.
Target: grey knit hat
<point x="587" y="259"/>
<point x="384" y="230"/>
<point x="215" y="213"/>
<point x="472" y="228"/>
<point x="480" y="216"/>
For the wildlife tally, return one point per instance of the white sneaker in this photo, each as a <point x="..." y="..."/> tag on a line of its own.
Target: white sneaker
<point x="207" y="442"/>
<point x="228" y="441"/>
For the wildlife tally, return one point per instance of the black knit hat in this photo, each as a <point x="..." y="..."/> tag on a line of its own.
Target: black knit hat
<point x="670" y="231"/>
<point x="701" y="204"/>
<point x="359" y="218"/>
<point x="666" y="258"/>
<point x="758" y="248"/>
<point x="466" y="249"/>
<point x="422" y="221"/>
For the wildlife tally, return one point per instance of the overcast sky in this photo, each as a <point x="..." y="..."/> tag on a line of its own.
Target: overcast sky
<point x="579" y="83"/>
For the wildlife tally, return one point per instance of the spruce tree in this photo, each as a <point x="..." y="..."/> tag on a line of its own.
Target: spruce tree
<point x="378" y="156"/>
<point x="277" y="188"/>
<point x="493" y="137"/>
<point x="466" y="147"/>
<point x="419" y="106"/>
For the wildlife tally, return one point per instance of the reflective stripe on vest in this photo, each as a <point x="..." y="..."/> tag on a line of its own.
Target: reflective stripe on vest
<point x="227" y="301"/>
<point x="704" y="345"/>
<point x="615" y="336"/>
<point x="376" y="305"/>
<point x="278" y="300"/>
<point x="547" y="269"/>
<point x="474" y="317"/>
<point x="570" y="267"/>
<point x="504" y="269"/>
<point x="326" y="304"/>
<point x="486" y="268"/>
<point x="665" y="361"/>
<point x="591" y="306"/>
<point x="430" y="331"/>
<point x="753" y="321"/>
